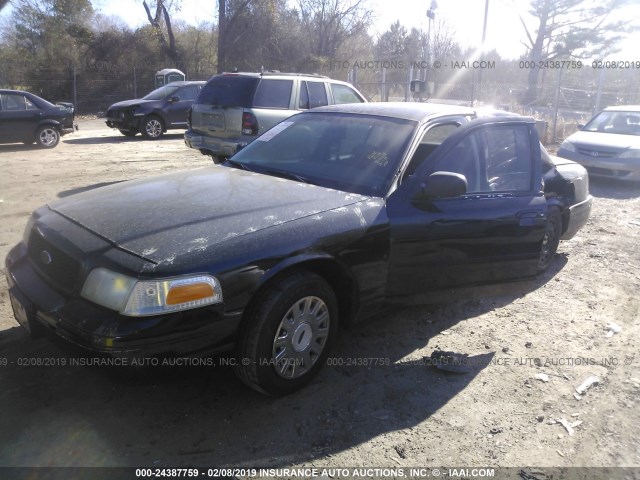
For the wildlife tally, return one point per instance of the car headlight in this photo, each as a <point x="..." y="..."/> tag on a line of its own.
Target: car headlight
<point x="568" y="146"/>
<point x="631" y="153"/>
<point x="137" y="298"/>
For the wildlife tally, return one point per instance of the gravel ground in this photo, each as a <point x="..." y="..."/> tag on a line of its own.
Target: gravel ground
<point x="378" y="402"/>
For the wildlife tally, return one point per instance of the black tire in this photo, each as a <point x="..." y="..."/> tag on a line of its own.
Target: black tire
<point x="288" y="334"/>
<point x="128" y="133"/>
<point x="551" y="239"/>
<point x="47" y="136"/>
<point x="152" y="128"/>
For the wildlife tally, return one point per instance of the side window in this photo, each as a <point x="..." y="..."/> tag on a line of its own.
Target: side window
<point x="187" y="93"/>
<point x="13" y="103"/>
<point x="431" y="140"/>
<point x="508" y="158"/>
<point x="29" y="104"/>
<point x="312" y="95"/>
<point x="493" y="159"/>
<point x="464" y="159"/>
<point x="344" y="94"/>
<point x="273" y="94"/>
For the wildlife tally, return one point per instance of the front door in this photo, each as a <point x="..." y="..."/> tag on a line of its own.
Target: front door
<point x="492" y="232"/>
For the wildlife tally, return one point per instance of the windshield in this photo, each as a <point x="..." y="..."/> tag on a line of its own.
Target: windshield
<point x="352" y="153"/>
<point x="623" y="123"/>
<point x="161" y="93"/>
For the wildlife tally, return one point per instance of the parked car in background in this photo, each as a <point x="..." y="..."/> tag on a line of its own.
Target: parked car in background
<point x="609" y="145"/>
<point x="317" y="222"/>
<point x="152" y="115"/>
<point x="234" y="108"/>
<point x="27" y="118"/>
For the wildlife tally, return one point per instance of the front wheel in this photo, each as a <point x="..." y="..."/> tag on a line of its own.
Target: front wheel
<point x="152" y="128"/>
<point x="47" y="136"/>
<point x="550" y="240"/>
<point x="288" y="334"/>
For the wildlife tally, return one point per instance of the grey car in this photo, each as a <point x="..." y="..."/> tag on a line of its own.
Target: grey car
<point x="609" y="145"/>
<point x="233" y="109"/>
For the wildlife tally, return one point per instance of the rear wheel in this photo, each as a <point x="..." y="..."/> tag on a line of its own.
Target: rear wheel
<point x="128" y="133"/>
<point x="152" y="128"/>
<point x="288" y="334"/>
<point x="47" y="136"/>
<point x="551" y="240"/>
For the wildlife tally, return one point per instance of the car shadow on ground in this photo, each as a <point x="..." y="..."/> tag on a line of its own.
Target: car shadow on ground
<point x="616" y="189"/>
<point x="55" y="414"/>
<point x="19" y="147"/>
<point x="117" y="138"/>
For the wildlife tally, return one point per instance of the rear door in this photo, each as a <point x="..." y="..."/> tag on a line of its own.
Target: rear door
<point x="176" y="111"/>
<point x="494" y="231"/>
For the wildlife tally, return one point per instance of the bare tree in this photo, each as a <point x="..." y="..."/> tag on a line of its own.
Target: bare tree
<point x="330" y="22"/>
<point x="569" y="28"/>
<point x="161" y="22"/>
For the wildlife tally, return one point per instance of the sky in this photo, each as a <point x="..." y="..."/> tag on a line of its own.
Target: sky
<point x="505" y="33"/>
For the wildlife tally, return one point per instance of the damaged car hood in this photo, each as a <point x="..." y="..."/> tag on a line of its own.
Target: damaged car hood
<point x="156" y="217"/>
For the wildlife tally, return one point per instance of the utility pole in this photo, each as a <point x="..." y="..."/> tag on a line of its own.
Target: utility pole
<point x="484" y="37"/>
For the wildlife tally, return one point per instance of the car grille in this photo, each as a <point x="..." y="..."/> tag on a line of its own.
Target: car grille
<point x="52" y="264"/>
<point x="607" y="172"/>
<point x="596" y="153"/>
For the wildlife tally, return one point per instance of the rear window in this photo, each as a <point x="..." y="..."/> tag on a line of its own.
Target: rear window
<point x="228" y="91"/>
<point x="273" y="94"/>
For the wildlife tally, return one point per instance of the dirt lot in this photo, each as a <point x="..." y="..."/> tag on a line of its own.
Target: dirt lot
<point x="401" y="414"/>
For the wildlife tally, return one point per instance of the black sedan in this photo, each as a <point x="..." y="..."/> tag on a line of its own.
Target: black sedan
<point x="318" y="222"/>
<point x="27" y="118"/>
<point x="152" y="115"/>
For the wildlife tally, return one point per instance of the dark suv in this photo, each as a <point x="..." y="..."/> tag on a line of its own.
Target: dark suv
<point x="234" y="108"/>
<point x="27" y="118"/>
<point x="163" y="109"/>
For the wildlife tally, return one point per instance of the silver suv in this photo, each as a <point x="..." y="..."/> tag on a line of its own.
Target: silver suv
<point x="234" y="108"/>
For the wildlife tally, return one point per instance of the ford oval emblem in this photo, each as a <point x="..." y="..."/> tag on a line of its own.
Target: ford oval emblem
<point x="45" y="257"/>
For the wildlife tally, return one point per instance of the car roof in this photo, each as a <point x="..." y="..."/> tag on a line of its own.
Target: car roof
<point x="274" y="73"/>
<point x="182" y="83"/>
<point x="624" y="108"/>
<point x="6" y="90"/>
<point x="405" y="110"/>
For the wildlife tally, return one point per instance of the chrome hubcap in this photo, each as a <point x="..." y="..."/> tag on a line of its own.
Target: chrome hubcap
<point x="153" y="128"/>
<point x="48" y="137"/>
<point x="301" y="337"/>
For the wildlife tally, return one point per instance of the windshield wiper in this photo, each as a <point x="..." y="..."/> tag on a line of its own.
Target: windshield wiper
<point x="288" y="175"/>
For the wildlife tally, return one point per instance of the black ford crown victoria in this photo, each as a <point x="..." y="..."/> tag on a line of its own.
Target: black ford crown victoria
<point x="319" y="221"/>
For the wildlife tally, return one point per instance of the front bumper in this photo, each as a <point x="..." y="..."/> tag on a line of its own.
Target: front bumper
<point x="88" y="328"/>
<point x="577" y="217"/>
<point x="613" y="167"/>
<point x="215" y="146"/>
<point x="123" y="122"/>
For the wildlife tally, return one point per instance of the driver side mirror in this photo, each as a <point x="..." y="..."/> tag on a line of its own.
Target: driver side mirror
<point x="174" y="99"/>
<point x="580" y="126"/>
<point x="442" y="185"/>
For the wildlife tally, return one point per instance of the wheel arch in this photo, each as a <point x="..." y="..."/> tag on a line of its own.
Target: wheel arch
<point x="337" y="275"/>
<point x="556" y="204"/>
